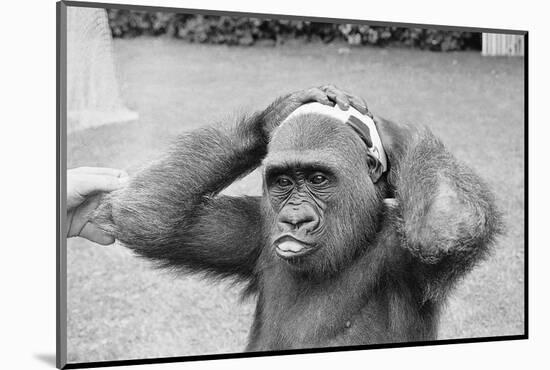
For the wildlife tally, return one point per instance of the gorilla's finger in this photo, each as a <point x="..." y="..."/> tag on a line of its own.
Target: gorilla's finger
<point x="321" y="97"/>
<point x="332" y="95"/>
<point x="340" y="99"/>
<point x="358" y="104"/>
<point x="329" y="87"/>
<point x="338" y="96"/>
<point x="343" y="102"/>
<point x="315" y="95"/>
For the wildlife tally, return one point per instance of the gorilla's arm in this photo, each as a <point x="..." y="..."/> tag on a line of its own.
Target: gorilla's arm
<point x="448" y="219"/>
<point x="171" y="211"/>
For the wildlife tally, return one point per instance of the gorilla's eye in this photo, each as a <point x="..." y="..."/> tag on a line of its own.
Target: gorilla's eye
<point x="317" y="179"/>
<point x="283" y="182"/>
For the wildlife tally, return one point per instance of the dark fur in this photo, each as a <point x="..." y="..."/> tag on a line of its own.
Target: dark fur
<point x="382" y="273"/>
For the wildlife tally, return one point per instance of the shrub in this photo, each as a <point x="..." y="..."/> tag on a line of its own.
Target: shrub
<point x="248" y="31"/>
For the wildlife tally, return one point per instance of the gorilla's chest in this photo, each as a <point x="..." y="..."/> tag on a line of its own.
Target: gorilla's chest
<point x="293" y="315"/>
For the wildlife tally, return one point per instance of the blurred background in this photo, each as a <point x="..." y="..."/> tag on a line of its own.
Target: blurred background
<point x="138" y="79"/>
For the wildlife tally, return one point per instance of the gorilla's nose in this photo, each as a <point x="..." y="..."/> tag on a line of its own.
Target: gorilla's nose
<point x="298" y="218"/>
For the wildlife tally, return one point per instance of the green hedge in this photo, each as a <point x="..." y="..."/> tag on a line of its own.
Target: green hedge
<point x="248" y="31"/>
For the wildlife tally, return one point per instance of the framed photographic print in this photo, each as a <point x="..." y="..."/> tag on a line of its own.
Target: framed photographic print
<point x="238" y="185"/>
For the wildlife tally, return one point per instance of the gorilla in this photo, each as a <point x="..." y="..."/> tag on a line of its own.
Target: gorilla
<point x="361" y="233"/>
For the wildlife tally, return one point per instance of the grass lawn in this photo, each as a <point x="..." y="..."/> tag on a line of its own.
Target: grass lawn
<point x="121" y="308"/>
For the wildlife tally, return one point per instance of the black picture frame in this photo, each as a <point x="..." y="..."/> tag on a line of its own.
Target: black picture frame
<point x="61" y="166"/>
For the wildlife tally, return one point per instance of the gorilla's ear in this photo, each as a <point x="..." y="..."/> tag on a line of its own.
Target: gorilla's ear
<point x="375" y="168"/>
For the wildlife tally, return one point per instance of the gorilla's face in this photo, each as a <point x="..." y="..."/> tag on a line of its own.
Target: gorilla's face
<point x="321" y="202"/>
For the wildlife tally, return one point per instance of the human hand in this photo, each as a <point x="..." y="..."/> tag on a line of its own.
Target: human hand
<point x="85" y="186"/>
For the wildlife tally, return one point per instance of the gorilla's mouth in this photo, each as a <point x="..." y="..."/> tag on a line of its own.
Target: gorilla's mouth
<point x="288" y="247"/>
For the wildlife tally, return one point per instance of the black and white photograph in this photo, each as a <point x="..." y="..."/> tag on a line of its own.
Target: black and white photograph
<point x="251" y="184"/>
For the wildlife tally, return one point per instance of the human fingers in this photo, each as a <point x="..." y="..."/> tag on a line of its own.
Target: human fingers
<point x="91" y="232"/>
<point x="79" y="224"/>
<point x="99" y="171"/>
<point x="81" y="185"/>
<point x="86" y="184"/>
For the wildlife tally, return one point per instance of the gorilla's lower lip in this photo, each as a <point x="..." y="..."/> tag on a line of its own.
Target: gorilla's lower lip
<point x="288" y="247"/>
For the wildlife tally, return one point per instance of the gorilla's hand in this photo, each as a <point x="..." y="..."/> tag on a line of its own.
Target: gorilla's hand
<point x="279" y="110"/>
<point x="345" y="99"/>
